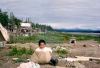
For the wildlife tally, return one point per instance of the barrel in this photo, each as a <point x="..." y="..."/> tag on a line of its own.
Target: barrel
<point x="1" y="44"/>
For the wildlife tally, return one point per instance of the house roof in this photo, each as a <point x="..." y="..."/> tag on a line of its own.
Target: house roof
<point x="26" y="24"/>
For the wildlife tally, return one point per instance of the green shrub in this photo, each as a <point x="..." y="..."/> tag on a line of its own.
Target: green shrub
<point x="13" y="52"/>
<point x="20" y="51"/>
<point x="62" y="51"/>
<point x="18" y="60"/>
<point x="29" y="51"/>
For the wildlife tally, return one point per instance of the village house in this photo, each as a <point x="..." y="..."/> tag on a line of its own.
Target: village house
<point x="26" y="29"/>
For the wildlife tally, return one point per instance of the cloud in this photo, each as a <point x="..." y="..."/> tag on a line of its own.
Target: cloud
<point x="58" y="13"/>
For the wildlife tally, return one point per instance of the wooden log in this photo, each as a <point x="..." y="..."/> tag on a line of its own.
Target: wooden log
<point x="80" y="58"/>
<point x="90" y="58"/>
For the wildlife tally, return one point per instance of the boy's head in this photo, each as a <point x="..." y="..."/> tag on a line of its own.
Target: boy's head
<point x="42" y="43"/>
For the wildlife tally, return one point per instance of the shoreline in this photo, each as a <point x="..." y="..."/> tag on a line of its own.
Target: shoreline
<point x="86" y="33"/>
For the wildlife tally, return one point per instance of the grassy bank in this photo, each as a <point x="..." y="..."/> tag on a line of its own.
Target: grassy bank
<point x="51" y="37"/>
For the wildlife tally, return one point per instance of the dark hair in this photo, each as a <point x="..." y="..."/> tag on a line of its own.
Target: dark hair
<point x="41" y="41"/>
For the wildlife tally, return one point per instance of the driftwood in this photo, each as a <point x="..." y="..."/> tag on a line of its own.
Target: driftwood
<point x="77" y="59"/>
<point x="81" y="58"/>
<point x="92" y="58"/>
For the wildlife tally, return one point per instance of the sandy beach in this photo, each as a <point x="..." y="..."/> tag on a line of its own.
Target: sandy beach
<point x="91" y="50"/>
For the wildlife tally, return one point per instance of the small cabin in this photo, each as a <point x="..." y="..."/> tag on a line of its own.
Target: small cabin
<point x="25" y="29"/>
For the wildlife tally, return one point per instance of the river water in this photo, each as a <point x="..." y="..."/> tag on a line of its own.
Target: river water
<point x="81" y="33"/>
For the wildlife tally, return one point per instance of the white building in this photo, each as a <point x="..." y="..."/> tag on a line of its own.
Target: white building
<point x="26" y="29"/>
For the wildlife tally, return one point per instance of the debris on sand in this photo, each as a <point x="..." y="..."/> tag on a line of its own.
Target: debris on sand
<point x="79" y="58"/>
<point x="74" y="65"/>
<point x="60" y="67"/>
<point x="29" y="65"/>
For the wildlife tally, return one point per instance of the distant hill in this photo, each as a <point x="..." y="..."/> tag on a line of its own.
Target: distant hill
<point x="78" y="30"/>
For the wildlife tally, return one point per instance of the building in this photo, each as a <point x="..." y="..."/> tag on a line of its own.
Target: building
<point x="26" y="29"/>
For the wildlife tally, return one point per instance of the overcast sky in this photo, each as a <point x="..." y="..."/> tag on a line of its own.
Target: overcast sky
<point x="57" y="13"/>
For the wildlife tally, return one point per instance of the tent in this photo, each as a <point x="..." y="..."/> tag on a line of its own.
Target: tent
<point x="4" y="36"/>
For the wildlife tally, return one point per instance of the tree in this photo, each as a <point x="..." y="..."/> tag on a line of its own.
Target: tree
<point x="14" y="20"/>
<point x="17" y="21"/>
<point x="42" y="27"/>
<point x="4" y="19"/>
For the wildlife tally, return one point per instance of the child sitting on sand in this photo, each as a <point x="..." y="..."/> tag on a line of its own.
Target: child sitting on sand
<point x="48" y="51"/>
